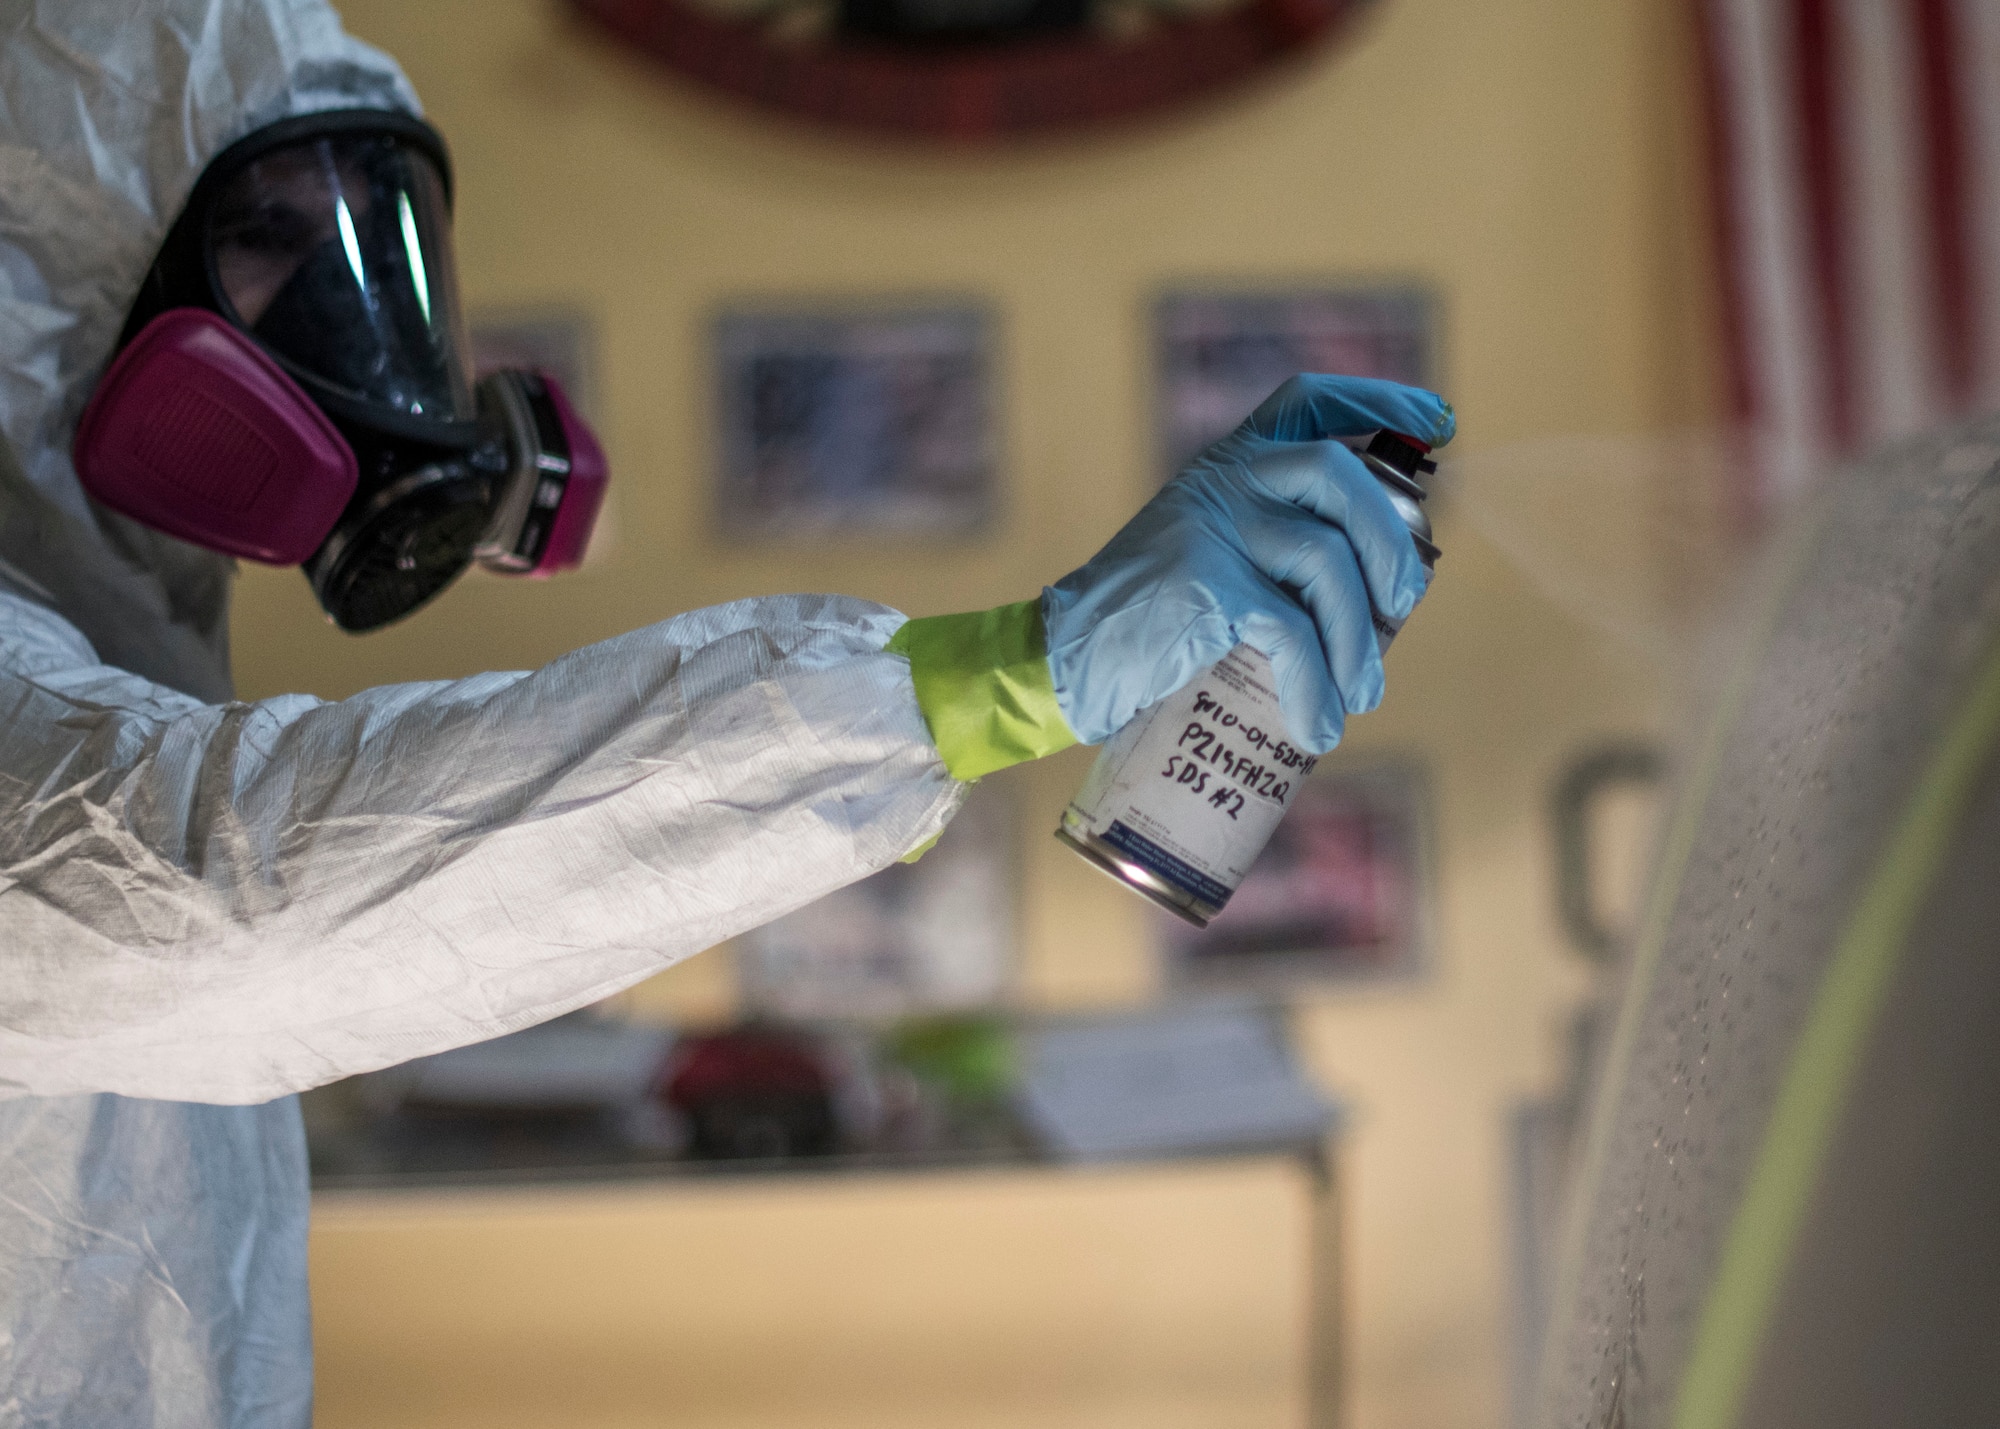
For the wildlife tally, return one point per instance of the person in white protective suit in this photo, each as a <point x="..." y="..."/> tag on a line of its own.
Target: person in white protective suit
<point x="226" y="301"/>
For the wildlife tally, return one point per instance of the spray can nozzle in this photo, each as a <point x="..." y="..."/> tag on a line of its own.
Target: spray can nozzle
<point x="1405" y="458"/>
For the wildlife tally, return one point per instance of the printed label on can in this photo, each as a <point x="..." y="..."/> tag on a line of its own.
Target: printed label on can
<point x="1191" y="789"/>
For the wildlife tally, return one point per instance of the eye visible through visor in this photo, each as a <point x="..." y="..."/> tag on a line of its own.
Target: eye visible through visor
<point x="335" y="253"/>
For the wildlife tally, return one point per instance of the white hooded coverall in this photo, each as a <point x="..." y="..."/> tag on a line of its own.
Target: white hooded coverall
<point x="206" y="906"/>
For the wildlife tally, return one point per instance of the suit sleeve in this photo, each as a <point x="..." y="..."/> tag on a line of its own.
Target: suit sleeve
<point x="230" y="902"/>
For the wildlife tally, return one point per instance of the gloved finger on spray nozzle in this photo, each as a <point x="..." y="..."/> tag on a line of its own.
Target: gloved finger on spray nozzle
<point x="1314" y="406"/>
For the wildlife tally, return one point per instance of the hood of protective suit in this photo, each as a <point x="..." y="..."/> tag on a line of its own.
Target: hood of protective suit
<point x="109" y="111"/>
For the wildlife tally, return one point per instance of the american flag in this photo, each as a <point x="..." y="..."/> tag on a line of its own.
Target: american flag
<point x="1856" y="159"/>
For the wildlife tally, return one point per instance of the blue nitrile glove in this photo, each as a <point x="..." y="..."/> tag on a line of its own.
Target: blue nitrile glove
<point x="1276" y="536"/>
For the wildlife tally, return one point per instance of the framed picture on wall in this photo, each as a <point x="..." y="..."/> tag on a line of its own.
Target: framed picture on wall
<point x="936" y="935"/>
<point x="1343" y="891"/>
<point x="559" y="341"/>
<point x="862" y="421"/>
<point x="1219" y="353"/>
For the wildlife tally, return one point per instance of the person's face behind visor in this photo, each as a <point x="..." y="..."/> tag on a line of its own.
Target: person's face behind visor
<point x="335" y="253"/>
<point x="273" y="218"/>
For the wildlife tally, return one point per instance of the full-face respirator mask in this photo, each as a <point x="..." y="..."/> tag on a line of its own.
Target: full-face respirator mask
<point x="293" y="384"/>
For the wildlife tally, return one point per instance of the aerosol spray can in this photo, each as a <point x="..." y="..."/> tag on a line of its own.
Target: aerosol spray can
<point x="1182" y="800"/>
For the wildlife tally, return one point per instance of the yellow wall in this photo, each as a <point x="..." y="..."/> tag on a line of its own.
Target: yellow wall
<point x="1525" y="158"/>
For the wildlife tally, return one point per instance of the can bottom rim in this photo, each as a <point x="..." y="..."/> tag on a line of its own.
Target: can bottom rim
<point x="1136" y="877"/>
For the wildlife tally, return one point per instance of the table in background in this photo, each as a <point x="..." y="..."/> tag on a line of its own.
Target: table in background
<point x="997" y="1288"/>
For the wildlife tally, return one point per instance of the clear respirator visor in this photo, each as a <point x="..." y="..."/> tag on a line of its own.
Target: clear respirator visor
<point x="335" y="253"/>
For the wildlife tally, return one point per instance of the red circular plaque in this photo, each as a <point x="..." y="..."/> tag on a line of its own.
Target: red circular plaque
<point x="973" y="91"/>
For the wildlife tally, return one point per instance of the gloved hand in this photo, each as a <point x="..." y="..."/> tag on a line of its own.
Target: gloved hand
<point x="1276" y="535"/>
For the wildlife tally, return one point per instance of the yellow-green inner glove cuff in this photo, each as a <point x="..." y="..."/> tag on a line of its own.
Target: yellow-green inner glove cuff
<point x="983" y="683"/>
